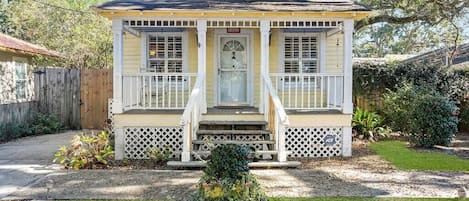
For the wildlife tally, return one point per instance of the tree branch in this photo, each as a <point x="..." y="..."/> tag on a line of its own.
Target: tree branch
<point x="389" y="19"/>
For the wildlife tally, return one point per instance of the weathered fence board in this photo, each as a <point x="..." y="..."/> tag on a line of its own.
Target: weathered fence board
<point x="17" y="112"/>
<point x="58" y="92"/>
<point x="96" y="89"/>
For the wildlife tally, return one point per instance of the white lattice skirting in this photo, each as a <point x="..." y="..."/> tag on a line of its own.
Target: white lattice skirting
<point x="312" y="142"/>
<point x="139" y="139"/>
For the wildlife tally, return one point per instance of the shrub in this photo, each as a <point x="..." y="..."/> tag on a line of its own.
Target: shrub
<point x="227" y="177"/>
<point x="45" y="124"/>
<point x="427" y="116"/>
<point x="10" y="131"/>
<point x="367" y="124"/>
<point x="155" y="154"/>
<point x="86" y="152"/>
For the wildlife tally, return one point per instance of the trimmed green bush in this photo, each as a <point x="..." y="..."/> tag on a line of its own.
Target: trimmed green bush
<point x="428" y="117"/>
<point x="227" y="177"/>
<point x="40" y="124"/>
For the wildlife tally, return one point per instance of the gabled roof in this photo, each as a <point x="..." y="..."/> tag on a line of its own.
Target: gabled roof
<point x="12" y="44"/>
<point x="233" y="5"/>
<point x="439" y="56"/>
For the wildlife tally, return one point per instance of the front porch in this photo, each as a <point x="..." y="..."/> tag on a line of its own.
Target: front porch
<point x="255" y="70"/>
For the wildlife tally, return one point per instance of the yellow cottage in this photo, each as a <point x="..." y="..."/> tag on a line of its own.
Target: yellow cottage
<point x="192" y="74"/>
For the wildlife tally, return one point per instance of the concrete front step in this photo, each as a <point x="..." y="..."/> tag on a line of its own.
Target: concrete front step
<point x="232" y="132"/>
<point x="259" y="152"/>
<point x="259" y="164"/>
<point x="234" y="142"/>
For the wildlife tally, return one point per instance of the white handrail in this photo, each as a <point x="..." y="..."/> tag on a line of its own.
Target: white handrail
<point x="277" y="104"/>
<point x="196" y="92"/>
<point x="191" y="116"/>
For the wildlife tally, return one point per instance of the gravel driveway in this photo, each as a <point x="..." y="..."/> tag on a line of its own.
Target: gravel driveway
<point x="26" y="173"/>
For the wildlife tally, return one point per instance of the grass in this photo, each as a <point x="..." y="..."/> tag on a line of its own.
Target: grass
<point x="367" y="199"/>
<point x="404" y="158"/>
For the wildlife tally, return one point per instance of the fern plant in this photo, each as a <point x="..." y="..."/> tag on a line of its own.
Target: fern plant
<point x="368" y="124"/>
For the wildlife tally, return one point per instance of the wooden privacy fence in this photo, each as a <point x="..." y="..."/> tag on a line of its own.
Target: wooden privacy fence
<point x="96" y="89"/>
<point x="58" y="92"/>
<point x="79" y="98"/>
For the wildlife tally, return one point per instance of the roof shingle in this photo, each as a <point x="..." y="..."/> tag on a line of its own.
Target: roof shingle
<point x="238" y="5"/>
<point x="11" y="43"/>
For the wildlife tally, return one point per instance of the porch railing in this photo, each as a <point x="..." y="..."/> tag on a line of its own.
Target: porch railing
<point x="309" y="91"/>
<point x="276" y="117"/>
<point x="192" y="115"/>
<point x="156" y="90"/>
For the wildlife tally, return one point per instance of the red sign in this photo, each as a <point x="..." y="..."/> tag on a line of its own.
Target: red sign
<point x="233" y="30"/>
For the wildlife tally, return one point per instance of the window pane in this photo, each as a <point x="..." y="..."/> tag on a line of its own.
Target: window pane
<point x="21" y="89"/>
<point x="20" y="69"/>
<point x="309" y="67"/>
<point x="174" y="66"/>
<point x="309" y="47"/>
<point x="156" y="66"/>
<point x="291" y="66"/>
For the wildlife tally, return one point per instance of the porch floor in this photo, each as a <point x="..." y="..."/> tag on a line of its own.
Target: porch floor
<point x="228" y="111"/>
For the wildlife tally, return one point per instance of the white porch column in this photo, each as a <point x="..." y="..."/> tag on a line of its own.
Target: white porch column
<point x="348" y="73"/>
<point x="202" y="57"/>
<point x="117" y="107"/>
<point x="265" y="34"/>
<point x="348" y="38"/>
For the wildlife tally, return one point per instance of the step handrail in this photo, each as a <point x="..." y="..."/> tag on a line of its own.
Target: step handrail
<point x="191" y="116"/>
<point x="276" y="100"/>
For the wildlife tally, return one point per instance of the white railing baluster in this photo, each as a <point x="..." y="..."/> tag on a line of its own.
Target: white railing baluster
<point x="322" y="90"/>
<point x="151" y="92"/>
<point x="168" y="88"/>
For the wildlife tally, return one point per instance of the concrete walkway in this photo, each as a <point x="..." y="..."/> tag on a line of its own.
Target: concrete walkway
<point x="26" y="172"/>
<point x="24" y="161"/>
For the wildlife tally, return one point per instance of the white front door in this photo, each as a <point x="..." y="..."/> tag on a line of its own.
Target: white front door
<point x="232" y="71"/>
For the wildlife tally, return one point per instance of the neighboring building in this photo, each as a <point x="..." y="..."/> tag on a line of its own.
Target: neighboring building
<point x="442" y="56"/>
<point x="16" y="68"/>
<point x="273" y="75"/>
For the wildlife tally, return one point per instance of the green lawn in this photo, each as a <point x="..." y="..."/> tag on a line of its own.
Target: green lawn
<point x="399" y="155"/>
<point x="366" y="199"/>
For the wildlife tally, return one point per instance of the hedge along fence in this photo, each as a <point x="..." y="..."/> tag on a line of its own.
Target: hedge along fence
<point x="371" y="81"/>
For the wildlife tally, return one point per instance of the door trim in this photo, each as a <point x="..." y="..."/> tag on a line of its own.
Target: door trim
<point x="250" y="65"/>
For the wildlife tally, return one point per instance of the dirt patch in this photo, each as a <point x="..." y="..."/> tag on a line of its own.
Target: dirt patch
<point x="459" y="147"/>
<point x="362" y="158"/>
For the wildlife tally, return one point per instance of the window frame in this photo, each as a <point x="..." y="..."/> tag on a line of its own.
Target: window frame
<point x="320" y="59"/>
<point x="24" y="64"/>
<point x="145" y="66"/>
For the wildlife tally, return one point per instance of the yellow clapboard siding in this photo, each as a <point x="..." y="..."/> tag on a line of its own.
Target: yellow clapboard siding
<point x="305" y="98"/>
<point x="210" y="69"/>
<point x="274" y="66"/>
<point x="334" y="53"/>
<point x="132" y="53"/>
<point x="311" y="120"/>
<point x="192" y="51"/>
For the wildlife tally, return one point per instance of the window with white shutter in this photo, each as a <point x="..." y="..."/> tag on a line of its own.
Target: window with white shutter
<point x="165" y="53"/>
<point x="300" y="54"/>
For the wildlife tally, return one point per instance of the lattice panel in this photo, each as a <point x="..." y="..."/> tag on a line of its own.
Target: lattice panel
<point x="139" y="139"/>
<point x="309" y="142"/>
<point x="209" y="138"/>
<point x="110" y="117"/>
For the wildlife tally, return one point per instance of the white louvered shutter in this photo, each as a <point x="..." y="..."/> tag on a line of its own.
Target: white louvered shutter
<point x="301" y="54"/>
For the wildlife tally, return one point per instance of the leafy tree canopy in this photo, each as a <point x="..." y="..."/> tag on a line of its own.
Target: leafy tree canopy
<point x="411" y="26"/>
<point x="66" y="26"/>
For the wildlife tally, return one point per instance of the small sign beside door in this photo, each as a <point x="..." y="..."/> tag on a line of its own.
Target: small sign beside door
<point x="233" y="30"/>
